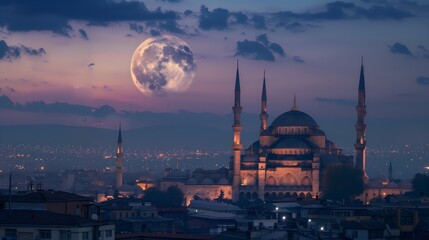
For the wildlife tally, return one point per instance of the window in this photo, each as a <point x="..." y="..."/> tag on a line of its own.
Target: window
<point x="44" y="234"/>
<point x="109" y="233"/>
<point x="85" y="236"/>
<point x="65" y="235"/>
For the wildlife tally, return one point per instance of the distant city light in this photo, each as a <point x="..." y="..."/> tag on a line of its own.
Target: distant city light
<point x="284" y="218"/>
<point x="427" y="167"/>
<point x="309" y="220"/>
<point x="322" y="228"/>
<point x="277" y="208"/>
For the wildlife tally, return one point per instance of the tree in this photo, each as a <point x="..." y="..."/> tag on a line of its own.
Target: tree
<point x="221" y="196"/>
<point x="342" y="183"/>
<point x="421" y="184"/>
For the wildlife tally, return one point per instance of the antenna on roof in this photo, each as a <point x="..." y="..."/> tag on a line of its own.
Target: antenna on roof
<point x="294" y="107"/>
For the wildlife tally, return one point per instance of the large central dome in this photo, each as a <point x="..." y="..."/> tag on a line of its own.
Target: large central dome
<point x="294" y="118"/>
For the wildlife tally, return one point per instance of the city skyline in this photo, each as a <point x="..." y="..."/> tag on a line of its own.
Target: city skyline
<point x="310" y="49"/>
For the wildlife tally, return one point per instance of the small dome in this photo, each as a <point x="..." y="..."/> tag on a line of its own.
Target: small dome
<point x="291" y="143"/>
<point x="207" y="181"/>
<point x="294" y="118"/>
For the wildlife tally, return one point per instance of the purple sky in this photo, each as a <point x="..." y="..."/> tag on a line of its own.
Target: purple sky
<point x="310" y="48"/>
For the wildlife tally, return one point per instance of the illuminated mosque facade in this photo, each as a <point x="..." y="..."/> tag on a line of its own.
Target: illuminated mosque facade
<point x="287" y="161"/>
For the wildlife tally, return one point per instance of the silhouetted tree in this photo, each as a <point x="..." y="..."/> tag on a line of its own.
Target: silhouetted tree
<point x="342" y="183"/>
<point x="221" y="196"/>
<point x="173" y="197"/>
<point x="421" y="184"/>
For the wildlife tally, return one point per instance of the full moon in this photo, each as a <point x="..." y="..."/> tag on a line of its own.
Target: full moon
<point x="162" y="64"/>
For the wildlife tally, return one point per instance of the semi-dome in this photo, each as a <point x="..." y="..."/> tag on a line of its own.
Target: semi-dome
<point x="294" y="118"/>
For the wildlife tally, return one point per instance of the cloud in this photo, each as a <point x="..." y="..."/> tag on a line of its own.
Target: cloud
<point x="172" y="1"/>
<point x="239" y="18"/>
<point x="259" y="22"/>
<point x="261" y="49"/>
<point x="57" y="107"/>
<point x="216" y="19"/>
<point x="154" y="33"/>
<point x="400" y="48"/>
<point x="422" y="51"/>
<point x="91" y="65"/>
<point x="136" y="28"/>
<point x="54" y="16"/>
<point x="337" y="101"/>
<point x="9" y="53"/>
<point x="171" y="26"/>
<point x="297" y="59"/>
<point x="83" y="34"/>
<point x="346" y="10"/>
<point x="254" y="50"/>
<point x="275" y="47"/>
<point x="422" y="80"/>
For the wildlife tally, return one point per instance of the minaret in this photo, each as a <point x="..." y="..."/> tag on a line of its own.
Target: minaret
<point x="390" y="172"/>
<point x="360" y="145"/>
<point x="119" y="159"/>
<point x="237" y="146"/>
<point x="263" y="115"/>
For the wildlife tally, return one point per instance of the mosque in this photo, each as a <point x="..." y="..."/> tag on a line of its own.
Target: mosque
<point x="288" y="159"/>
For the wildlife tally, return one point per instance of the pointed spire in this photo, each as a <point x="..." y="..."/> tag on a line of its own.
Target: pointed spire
<point x="294" y="108"/>
<point x="264" y="90"/>
<point x="362" y="78"/>
<point x="120" y="134"/>
<point x="237" y="88"/>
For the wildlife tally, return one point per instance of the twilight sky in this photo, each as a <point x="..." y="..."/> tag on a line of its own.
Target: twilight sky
<point x="78" y="52"/>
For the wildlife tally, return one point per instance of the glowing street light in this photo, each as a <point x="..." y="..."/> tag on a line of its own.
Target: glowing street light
<point x="322" y="228"/>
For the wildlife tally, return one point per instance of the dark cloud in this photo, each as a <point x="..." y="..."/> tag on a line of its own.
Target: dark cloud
<point x="297" y="59"/>
<point x="9" y="53"/>
<point x="57" y="107"/>
<point x="346" y="10"/>
<point x="83" y="34"/>
<point x="422" y="51"/>
<point x="216" y="19"/>
<point x="91" y="65"/>
<point x="259" y="22"/>
<point x="188" y="12"/>
<point x="263" y="38"/>
<point x="295" y="26"/>
<point x="154" y="33"/>
<point x="171" y="26"/>
<point x="337" y="101"/>
<point x="400" y="48"/>
<point x="261" y="49"/>
<point x="254" y="50"/>
<point x="172" y="1"/>
<point x="54" y="16"/>
<point x="239" y="18"/>
<point x="136" y="28"/>
<point x="275" y="47"/>
<point x="422" y="80"/>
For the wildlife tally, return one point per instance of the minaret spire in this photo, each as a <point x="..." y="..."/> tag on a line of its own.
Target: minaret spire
<point x="119" y="159"/>
<point x="263" y="115"/>
<point x="360" y="145"/>
<point x="294" y="107"/>
<point x="237" y="88"/>
<point x="236" y="145"/>
<point x="390" y="172"/>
